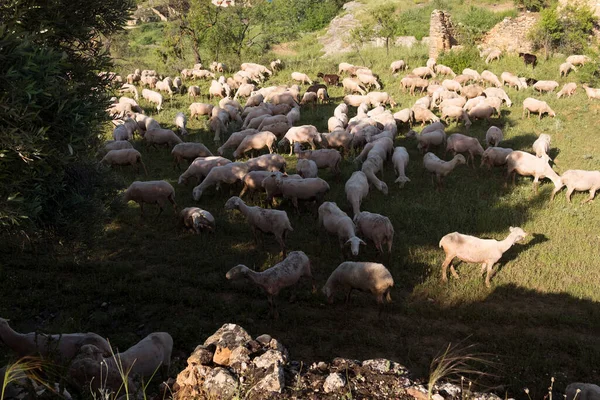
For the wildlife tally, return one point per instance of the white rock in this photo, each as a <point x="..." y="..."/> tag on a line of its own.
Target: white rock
<point x="334" y="382"/>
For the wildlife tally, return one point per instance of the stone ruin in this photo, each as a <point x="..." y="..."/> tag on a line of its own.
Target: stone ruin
<point x="510" y="34"/>
<point x="442" y="35"/>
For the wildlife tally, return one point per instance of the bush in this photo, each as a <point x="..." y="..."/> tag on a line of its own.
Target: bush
<point x="474" y="23"/>
<point x="532" y="5"/>
<point x="460" y="59"/>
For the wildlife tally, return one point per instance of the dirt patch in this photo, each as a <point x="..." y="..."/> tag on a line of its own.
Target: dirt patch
<point x="283" y="49"/>
<point x="501" y="7"/>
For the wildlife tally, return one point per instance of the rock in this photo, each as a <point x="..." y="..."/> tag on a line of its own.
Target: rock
<point x="334" y="382"/>
<point x="511" y="34"/>
<point x="276" y="345"/>
<point x="239" y="359"/>
<point x="221" y="356"/>
<point x="271" y="357"/>
<point x="418" y="392"/>
<point x="264" y="339"/>
<point x="322" y="366"/>
<point x="202" y="355"/>
<point x="442" y="34"/>
<point x="227" y="338"/>
<point x="380" y="365"/>
<point x="450" y="389"/>
<point x="437" y="396"/>
<point x="221" y="384"/>
<point x="274" y="381"/>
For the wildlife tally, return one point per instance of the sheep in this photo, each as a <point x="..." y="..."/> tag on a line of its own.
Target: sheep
<point x="338" y="223"/>
<point x="456" y="112"/>
<point x="545" y="86"/>
<point x="369" y="80"/>
<point x="151" y="192"/>
<point x="263" y="221"/>
<point x="405" y="115"/>
<point x="269" y="184"/>
<point x="495" y="156"/>
<point x="525" y="164"/>
<point x="267" y="162"/>
<point x="337" y="138"/>
<point x="253" y="182"/>
<point x="452" y="85"/>
<point x="164" y="87"/>
<point x="578" y="59"/>
<point x="512" y="80"/>
<point x="276" y="65"/>
<point x="383" y="98"/>
<point x="300" y="77"/>
<point x="228" y="173"/>
<point x="364" y="276"/>
<point x="256" y="142"/>
<point x="353" y="85"/>
<point x="567" y="90"/>
<point x="429" y="138"/>
<point x="423" y="72"/>
<point x="227" y="101"/>
<point x="309" y="98"/>
<point x="418" y="83"/>
<point x="458" y="143"/>
<point x="400" y="161"/>
<point x="301" y="134"/>
<point x="153" y="97"/>
<point x="370" y="167"/>
<point x="123" y="132"/>
<point x="580" y="180"/>
<point x="161" y="136"/>
<point x="493" y="102"/>
<point x="245" y="90"/>
<point x="471" y="91"/>
<point x="493" y="136"/>
<point x="307" y="168"/>
<point x="216" y="90"/>
<point x="529" y="59"/>
<point x="541" y="146"/>
<point x="196" y="220"/>
<point x="382" y="147"/>
<point x="398" y="65"/>
<point x="565" y="68"/>
<point x="440" y="168"/>
<point x="356" y="100"/>
<point x="200" y="167"/>
<point x="323" y="158"/>
<point x="293" y="116"/>
<point x="189" y="151"/>
<point x="334" y="124"/>
<point x="180" y="122"/>
<point x="475" y="250"/>
<point x="376" y="228"/>
<point x="128" y="88"/>
<point x="303" y="189"/>
<point x="217" y="126"/>
<point x="458" y="102"/>
<point x="356" y="188"/>
<point x="493" y="55"/>
<point x="256" y="116"/>
<point x="279" y="129"/>
<point x="125" y="157"/>
<point x="490" y="77"/>
<point x="117" y="145"/>
<point x="345" y="67"/>
<point x="444" y="70"/>
<point x="284" y="274"/>
<point x="536" y="106"/>
<point x="200" y="109"/>
<point x="255" y="100"/>
<point x="65" y="346"/>
<point x="422" y="114"/>
<point x="235" y="139"/>
<point x="591" y="92"/>
<point x="482" y="111"/>
<point x="499" y="93"/>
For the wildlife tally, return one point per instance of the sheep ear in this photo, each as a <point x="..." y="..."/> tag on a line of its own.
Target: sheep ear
<point x="511" y="229"/>
<point x="362" y="242"/>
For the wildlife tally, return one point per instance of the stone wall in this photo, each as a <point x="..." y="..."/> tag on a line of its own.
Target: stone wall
<point x="511" y="34"/>
<point x="442" y="35"/>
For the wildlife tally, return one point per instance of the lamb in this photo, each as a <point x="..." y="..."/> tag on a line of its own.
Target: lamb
<point x="455" y="112"/>
<point x="499" y="93"/>
<point x="353" y="85"/>
<point x="256" y="142"/>
<point x="189" y="151"/>
<point x="356" y="188"/>
<point x="591" y="92"/>
<point x="235" y="139"/>
<point x="338" y="223"/>
<point x="398" y="65"/>
<point x="567" y="90"/>
<point x="286" y="273"/>
<point x="180" y="122"/>
<point x="475" y="250"/>
<point x="495" y="156"/>
<point x="545" y="86"/>
<point x="490" y="77"/>
<point x="376" y="228"/>
<point x="263" y="221"/>
<point x="301" y="134"/>
<point x="323" y="158"/>
<point x="536" y="106"/>
<point x="303" y="189"/>
<point x="565" y="68"/>
<point x="525" y="164"/>
<point x="151" y="192"/>
<point x="300" y="77"/>
<point x="428" y="139"/>
<point x="493" y="55"/>
<point x="400" y="161"/>
<point x="458" y="143"/>
<point x="200" y="109"/>
<point x="323" y="96"/>
<point x="307" y="168"/>
<point x="267" y="162"/>
<point x="441" y="168"/>
<point x="196" y="220"/>
<point x="580" y="180"/>
<point x="578" y="59"/>
<point x="125" y="157"/>
<point x="161" y="136"/>
<point x="153" y="97"/>
<point x="541" y="147"/>
<point x="370" y="167"/>
<point x="65" y="346"/>
<point x="493" y="136"/>
<point x="444" y="70"/>
<point x="228" y="173"/>
<point x="364" y="276"/>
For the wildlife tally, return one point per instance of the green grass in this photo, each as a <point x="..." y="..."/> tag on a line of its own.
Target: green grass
<point x="540" y="318"/>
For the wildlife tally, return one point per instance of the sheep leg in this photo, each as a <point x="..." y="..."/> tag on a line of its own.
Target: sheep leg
<point x="295" y="203"/>
<point x="281" y="241"/>
<point x="536" y="183"/>
<point x="453" y="271"/>
<point x="556" y="190"/>
<point x="244" y="189"/>
<point x="592" y="195"/>
<point x="348" y="296"/>
<point x="489" y="274"/>
<point x="445" y="264"/>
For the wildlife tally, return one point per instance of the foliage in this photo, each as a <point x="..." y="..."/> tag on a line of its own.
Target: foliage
<point x="386" y="24"/>
<point x="533" y="5"/>
<point x="458" y="60"/>
<point x="52" y="107"/>
<point x="476" y="21"/>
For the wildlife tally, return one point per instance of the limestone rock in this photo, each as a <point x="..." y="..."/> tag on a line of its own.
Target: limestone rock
<point x="334" y="382"/>
<point x="221" y="384"/>
<point x="442" y="35"/>
<point x="511" y="34"/>
<point x="268" y="359"/>
<point x="202" y="355"/>
<point x="227" y="339"/>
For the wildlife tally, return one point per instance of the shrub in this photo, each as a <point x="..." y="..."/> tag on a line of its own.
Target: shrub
<point x="474" y="23"/>
<point x="458" y="60"/>
<point x="532" y="5"/>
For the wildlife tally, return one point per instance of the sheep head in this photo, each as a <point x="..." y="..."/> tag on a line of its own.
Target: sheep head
<point x="233" y="202"/>
<point x="355" y="243"/>
<point x="237" y="272"/>
<point x="328" y="293"/>
<point x="197" y="193"/>
<point x="518" y="233"/>
<point x="460" y="159"/>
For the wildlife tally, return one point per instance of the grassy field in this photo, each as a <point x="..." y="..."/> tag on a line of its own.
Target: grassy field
<point x="540" y="318"/>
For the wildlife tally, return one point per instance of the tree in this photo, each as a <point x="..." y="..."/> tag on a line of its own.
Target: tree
<point x="386" y="23"/>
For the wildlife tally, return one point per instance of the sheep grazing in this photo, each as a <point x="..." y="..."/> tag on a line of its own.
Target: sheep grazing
<point x="482" y="111"/>
<point x="117" y="145"/>
<point x="493" y="136"/>
<point x="580" y="180"/>
<point x="475" y="250"/>
<point x="263" y="221"/>
<point x="300" y="77"/>
<point x="456" y="113"/>
<point x="400" y="161"/>
<point x="545" y="86"/>
<point x="267" y="162"/>
<point x="301" y="189"/>
<point x="427" y="138"/>
<point x="256" y="142"/>
<point x="301" y="134"/>
<point x="440" y="168"/>
<point x="125" y="157"/>
<point x="189" y="151"/>
<point x="363" y="276"/>
<point x="64" y="346"/>
<point x="197" y="109"/>
<point x="525" y="164"/>
<point x="307" y="168"/>
<point x="531" y="105"/>
<point x="200" y="167"/>
<point x="398" y="65"/>
<point x="356" y="188"/>
<point x="567" y="90"/>
<point x="337" y="222"/>
<point x="495" y="156"/>
<point x="422" y="115"/>
<point x="353" y="85"/>
<point x="235" y="139"/>
<point x="493" y="55"/>
<point x="180" y="122"/>
<point x="458" y="143"/>
<point x="565" y="68"/>
<point x="329" y="79"/>
<point x="490" y="77"/>
<point x="591" y="92"/>
<point x="196" y="220"/>
<point x="151" y="192"/>
<point x="444" y="70"/>
<point x="161" y="136"/>
<point x="368" y="80"/>
<point x="324" y="158"/>
<point x="499" y="93"/>
<point x="153" y="97"/>
<point x="424" y="72"/>
<point x="376" y="228"/>
<point x="541" y="147"/>
<point x="529" y="59"/>
<point x="579" y="60"/>
<point x="284" y="274"/>
<point x="229" y="173"/>
<point x="217" y="126"/>
<point x="512" y="80"/>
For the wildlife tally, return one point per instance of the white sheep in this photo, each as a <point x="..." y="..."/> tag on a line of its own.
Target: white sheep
<point x="456" y="113"/>
<point x="422" y="114"/>
<point x="511" y="80"/>
<point x="189" y="151"/>
<point x="307" y="168"/>
<point x="400" y="160"/>
<point x="300" y="77"/>
<point x="263" y="221"/>
<point x="153" y="97"/>
<point x="444" y="70"/>
<point x="196" y="220"/>
<point x="228" y="173"/>
<point x="125" y="157"/>
<point x="568" y="89"/>
<point x="458" y="143"/>
<point x="363" y="276"/>
<point x="65" y="346"/>
<point x="475" y="250"/>
<point x="117" y="145"/>
<point x="495" y="156"/>
<point x="353" y="85"/>
<point x="216" y="90"/>
<point x="545" y="86"/>
<point x="217" y="126"/>
<point x="541" y="147"/>
<point x="301" y="189"/>
<point x="493" y="136"/>
<point x="494" y="54"/>
<point x="525" y="164"/>
<point x="482" y="111"/>
<point x="180" y="122"/>
<point x="284" y="274"/>
<point x="370" y="167"/>
<point x="427" y="138"/>
<point x="440" y="168"/>
<point x="338" y="223"/>
<point x="368" y="80"/>
<point x="536" y="106"/>
<point x="578" y="59"/>
<point x="399" y="65"/>
<point x="580" y="180"/>
<point x="423" y="72"/>
<point x="200" y="109"/>
<point x="591" y="92"/>
<point x="151" y="192"/>
<point x="323" y="158"/>
<point x="499" y="93"/>
<point x="235" y="139"/>
<point x="256" y="142"/>
<point x="376" y="228"/>
<point x="267" y="162"/>
<point x="200" y="167"/>
<point x="565" y="68"/>
<point x="301" y="134"/>
<point x="161" y="136"/>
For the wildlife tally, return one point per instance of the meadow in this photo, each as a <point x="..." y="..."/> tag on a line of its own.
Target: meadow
<point x="540" y="319"/>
